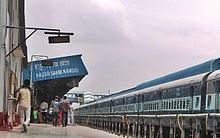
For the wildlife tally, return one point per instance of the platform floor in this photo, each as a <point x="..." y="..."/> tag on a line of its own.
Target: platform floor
<point x="49" y="131"/>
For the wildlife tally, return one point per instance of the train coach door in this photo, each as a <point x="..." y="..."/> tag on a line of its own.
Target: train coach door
<point x="217" y="97"/>
<point x="159" y="103"/>
<point x="203" y="92"/>
<point x="194" y="103"/>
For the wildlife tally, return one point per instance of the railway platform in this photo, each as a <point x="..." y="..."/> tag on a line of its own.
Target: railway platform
<point x="49" y="131"/>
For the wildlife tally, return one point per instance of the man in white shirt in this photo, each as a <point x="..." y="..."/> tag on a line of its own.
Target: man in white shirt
<point x="23" y="98"/>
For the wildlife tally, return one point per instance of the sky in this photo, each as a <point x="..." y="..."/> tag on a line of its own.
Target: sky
<point x="127" y="42"/>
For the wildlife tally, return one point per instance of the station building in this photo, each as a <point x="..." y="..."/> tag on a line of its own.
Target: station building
<point x="85" y="96"/>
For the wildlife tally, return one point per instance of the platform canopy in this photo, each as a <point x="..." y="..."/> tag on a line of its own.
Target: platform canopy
<point x="57" y="78"/>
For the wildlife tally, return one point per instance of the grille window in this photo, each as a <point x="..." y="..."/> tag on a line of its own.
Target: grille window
<point x="197" y="102"/>
<point x="181" y="104"/>
<point x="175" y="104"/>
<point x="178" y="104"/>
<point x="172" y="104"/>
<point x="166" y="104"/>
<point x="217" y="86"/>
<point x="187" y="103"/>
<point x="184" y="104"/>
<point x="209" y="101"/>
<point x="169" y="104"/>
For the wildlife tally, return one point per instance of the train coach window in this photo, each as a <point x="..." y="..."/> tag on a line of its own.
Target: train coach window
<point x="147" y="106"/>
<point x="209" y="101"/>
<point x="197" y="102"/>
<point x="187" y="103"/>
<point x="217" y="86"/>
<point x="169" y="104"/>
<point x="178" y="104"/>
<point x="174" y="104"/>
<point x="166" y="104"/>
<point x="181" y="104"/>
<point x="184" y="104"/>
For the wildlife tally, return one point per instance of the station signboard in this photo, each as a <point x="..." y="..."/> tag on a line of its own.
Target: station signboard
<point x="70" y="66"/>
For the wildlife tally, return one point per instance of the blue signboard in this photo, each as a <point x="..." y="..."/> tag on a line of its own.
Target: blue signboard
<point x="70" y="66"/>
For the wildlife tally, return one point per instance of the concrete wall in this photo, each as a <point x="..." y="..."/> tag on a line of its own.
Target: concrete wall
<point x="10" y="66"/>
<point x="3" y="21"/>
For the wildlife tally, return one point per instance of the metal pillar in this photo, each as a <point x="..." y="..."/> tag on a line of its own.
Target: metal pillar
<point x="214" y="127"/>
<point x="139" y="130"/>
<point x="128" y="130"/>
<point x="119" y="128"/>
<point x="171" y="134"/>
<point x="115" y="127"/>
<point x="183" y="130"/>
<point x="150" y="130"/>
<point x="145" y="130"/>
<point x="112" y="127"/>
<point x="133" y="130"/>
<point x="197" y="133"/>
<point x="109" y="126"/>
<point x="161" y="130"/>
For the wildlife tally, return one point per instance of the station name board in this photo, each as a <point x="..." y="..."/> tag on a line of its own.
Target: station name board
<point x="62" y="67"/>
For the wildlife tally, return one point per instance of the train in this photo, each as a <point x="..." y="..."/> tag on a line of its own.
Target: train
<point x="191" y="91"/>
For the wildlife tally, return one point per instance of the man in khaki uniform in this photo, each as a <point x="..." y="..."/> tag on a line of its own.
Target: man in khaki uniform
<point x="24" y="100"/>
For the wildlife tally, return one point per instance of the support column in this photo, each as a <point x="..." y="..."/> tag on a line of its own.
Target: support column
<point x="119" y="128"/>
<point x="214" y="127"/>
<point x="145" y="130"/>
<point x="3" y="110"/>
<point x="171" y="135"/>
<point x="161" y="129"/>
<point x="112" y="127"/>
<point x="183" y="130"/>
<point x="150" y="130"/>
<point x="197" y="133"/>
<point x="128" y="130"/>
<point x="133" y="129"/>
<point x="116" y="127"/>
<point x="139" y="130"/>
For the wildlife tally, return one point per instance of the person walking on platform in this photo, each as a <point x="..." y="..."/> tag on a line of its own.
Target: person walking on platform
<point x="44" y="110"/>
<point x="23" y="97"/>
<point x="125" y="125"/>
<point x="64" y="106"/>
<point x="55" y="110"/>
<point x="71" y="115"/>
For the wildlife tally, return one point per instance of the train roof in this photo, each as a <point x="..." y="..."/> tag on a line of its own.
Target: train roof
<point x="176" y="83"/>
<point x="214" y="75"/>
<point x="126" y="95"/>
<point x="102" y="100"/>
<point x="208" y="66"/>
